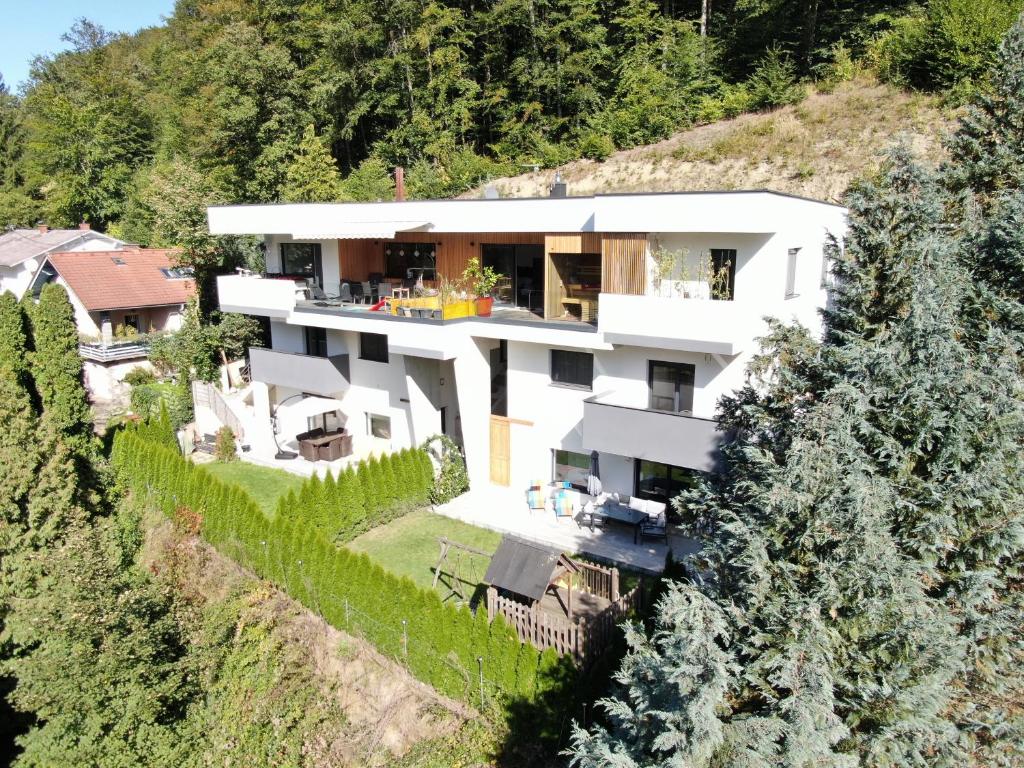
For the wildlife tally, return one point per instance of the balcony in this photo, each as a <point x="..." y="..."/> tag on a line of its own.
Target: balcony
<point x="326" y="376"/>
<point x="254" y="295"/>
<point x="109" y="352"/>
<point x="641" y="433"/>
<point x="691" y="325"/>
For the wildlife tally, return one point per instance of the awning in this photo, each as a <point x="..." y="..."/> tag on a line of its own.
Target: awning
<point x="311" y="406"/>
<point x="361" y="230"/>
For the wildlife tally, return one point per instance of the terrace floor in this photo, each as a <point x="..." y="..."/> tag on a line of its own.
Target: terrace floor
<point x="505" y="510"/>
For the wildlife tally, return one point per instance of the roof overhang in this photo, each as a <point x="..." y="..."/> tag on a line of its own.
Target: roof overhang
<point x="360" y="230"/>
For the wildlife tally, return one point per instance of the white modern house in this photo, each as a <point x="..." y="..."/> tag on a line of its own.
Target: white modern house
<point x="619" y="322"/>
<point x="22" y="251"/>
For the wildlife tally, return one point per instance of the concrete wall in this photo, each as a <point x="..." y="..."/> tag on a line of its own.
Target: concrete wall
<point x="17" y="279"/>
<point x="105" y="381"/>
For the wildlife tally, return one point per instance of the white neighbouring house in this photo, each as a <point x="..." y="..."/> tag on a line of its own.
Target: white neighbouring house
<point x="22" y="251"/>
<point x="619" y="323"/>
<point x="121" y="298"/>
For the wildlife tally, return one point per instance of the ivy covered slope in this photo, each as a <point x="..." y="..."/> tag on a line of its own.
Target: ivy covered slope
<point x="862" y="601"/>
<point x="263" y="100"/>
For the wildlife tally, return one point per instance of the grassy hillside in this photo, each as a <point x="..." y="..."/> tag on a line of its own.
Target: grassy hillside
<point x="815" y="148"/>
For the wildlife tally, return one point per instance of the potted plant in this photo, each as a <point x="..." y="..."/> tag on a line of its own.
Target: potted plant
<point x="481" y="281"/>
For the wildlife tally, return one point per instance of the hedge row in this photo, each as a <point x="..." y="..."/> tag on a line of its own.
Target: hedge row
<point x="375" y="492"/>
<point x="444" y="642"/>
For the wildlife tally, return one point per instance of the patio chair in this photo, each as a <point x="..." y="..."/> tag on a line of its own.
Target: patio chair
<point x="565" y="503"/>
<point x="368" y="292"/>
<point x="346" y="293"/>
<point x="385" y="290"/>
<point x="654" y="528"/>
<point x="536" y="498"/>
<point x="589" y="518"/>
<point x="376" y="278"/>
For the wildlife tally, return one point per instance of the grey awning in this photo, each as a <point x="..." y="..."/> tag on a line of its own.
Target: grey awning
<point x="522" y="567"/>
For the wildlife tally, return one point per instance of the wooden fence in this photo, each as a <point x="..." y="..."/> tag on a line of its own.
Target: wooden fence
<point x="585" y="639"/>
<point x="598" y="580"/>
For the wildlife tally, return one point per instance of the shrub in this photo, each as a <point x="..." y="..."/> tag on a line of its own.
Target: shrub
<point x="224" y="447"/>
<point x="840" y="69"/>
<point x="595" y="146"/>
<point x="145" y="398"/>
<point x="452" y="480"/>
<point x="138" y="376"/>
<point x="774" y="83"/>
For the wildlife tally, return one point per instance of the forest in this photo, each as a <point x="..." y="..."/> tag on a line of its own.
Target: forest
<point x="245" y="101"/>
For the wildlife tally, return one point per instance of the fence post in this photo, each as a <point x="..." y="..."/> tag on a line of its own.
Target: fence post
<point x="348" y="624"/>
<point x="480" y="665"/>
<point x="492" y="603"/>
<point x="405" y="639"/>
<point x="615" y="584"/>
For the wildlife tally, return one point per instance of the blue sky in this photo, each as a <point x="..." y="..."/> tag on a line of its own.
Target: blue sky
<point x="31" y="27"/>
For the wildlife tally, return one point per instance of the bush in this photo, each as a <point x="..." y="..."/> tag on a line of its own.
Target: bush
<point x="138" y="376"/>
<point x="595" y="146"/>
<point x="840" y="69"/>
<point x="452" y="479"/>
<point x="774" y="83"/>
<point x="145" y="398"/>
<point x="224" y="447"/>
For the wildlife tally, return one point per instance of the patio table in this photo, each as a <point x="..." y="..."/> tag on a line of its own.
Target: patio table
<point x="619" y="513"/>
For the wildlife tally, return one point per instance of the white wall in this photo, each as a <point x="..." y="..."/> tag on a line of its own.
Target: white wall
<point x="288" y="338"/>
<point x="17" y="279"/>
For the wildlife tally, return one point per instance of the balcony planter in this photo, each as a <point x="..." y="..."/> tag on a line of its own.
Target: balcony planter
<point x="484" y="305"/>
<point x="457" y="309"/>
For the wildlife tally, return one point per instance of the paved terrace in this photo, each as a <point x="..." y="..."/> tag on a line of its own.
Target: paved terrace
<point x="505" y="510"/>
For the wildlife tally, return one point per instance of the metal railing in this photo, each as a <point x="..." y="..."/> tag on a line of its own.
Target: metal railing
<point x="104" y="352"/>
<point x="207" y="395"/>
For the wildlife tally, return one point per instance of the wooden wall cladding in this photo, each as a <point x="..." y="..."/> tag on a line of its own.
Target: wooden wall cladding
<point x="358" y="258"/>
<point x="624" y="263"/>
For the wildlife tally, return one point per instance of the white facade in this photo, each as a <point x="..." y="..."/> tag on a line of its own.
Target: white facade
<point x="779" y="272"/>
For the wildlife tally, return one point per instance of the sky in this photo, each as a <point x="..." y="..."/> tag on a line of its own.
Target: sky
<point x="32" y="27"/>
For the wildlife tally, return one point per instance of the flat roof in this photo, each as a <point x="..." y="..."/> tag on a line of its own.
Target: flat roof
<point x="741" y="211"/>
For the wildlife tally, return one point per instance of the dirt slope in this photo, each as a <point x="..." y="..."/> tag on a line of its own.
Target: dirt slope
<point x="815" y="148"/>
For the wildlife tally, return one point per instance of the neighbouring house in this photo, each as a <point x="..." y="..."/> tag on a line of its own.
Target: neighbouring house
<point x="121" y="298"/>
<point x="618" y="323"/>
<point x="22" y="251"/>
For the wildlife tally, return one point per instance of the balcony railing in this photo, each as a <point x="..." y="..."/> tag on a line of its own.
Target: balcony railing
<point x="642" y="433"/>
<point x="320" y="375"/>
<point x="106" y="352"/>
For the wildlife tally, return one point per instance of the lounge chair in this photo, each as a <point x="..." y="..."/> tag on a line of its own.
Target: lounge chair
<point x="654" y="528"/>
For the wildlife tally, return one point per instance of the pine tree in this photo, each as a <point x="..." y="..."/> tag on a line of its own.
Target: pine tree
<point x="13" y="338"/>
<point x="312" y="175"/>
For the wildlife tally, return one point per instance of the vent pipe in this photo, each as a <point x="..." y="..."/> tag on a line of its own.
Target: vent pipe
<point x="399" y="183"/>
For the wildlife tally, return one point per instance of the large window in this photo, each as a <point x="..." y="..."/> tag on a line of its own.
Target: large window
<point x="662" y="482"/>
<point x="723" y="261"/>
<point x="316" y="341"/>
<point x="571" y="467"/>
<point x="300" y="258"/>
<point x="378" y="426"/>
<point x="373" y="346"/>
<point x="574" y="369"/>
<point x="410" y="261"/>
<point x="671" y="386"/>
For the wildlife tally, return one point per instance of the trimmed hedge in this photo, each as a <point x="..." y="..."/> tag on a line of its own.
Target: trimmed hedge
<point x="349" y="590"/>
<point x="375" y="492"/>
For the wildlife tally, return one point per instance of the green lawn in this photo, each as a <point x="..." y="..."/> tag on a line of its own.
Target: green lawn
<point x="408" y="547"/>
<point x="265" y="484"/>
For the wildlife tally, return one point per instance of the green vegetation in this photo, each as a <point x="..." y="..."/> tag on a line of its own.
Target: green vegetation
<point x="348" y="589"/>
<point x="266" y="485"/>
<point x="281" y="100"/>
<point x="408" y="547"/>
<point x="864" y="601"/>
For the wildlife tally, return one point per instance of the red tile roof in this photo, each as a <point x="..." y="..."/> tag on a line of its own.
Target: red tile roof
<point x="101" y="282"/>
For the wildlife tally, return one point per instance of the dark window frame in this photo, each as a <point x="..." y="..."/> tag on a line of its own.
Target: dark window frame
<point x="374" y="355"/>
<point x="369" y="425"/>
<point x="573" y="375"/>
<point x="315" y="341"/>
<point x="675" y="486"/>
<point x="678" y="395"/>
<point x="315" y="257"/>
<point x="396" y="267"/>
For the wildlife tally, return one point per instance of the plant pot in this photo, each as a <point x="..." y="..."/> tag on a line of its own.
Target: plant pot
<point x="483" y="306"/>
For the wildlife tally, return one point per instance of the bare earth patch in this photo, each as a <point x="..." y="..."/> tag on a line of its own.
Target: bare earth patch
<point x="815" y="148"/>
<point x="386" y="710"/>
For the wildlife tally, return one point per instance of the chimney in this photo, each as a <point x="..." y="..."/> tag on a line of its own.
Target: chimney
<point x="85" y="225"/>
<point x="399" y="183"/>
<point x="558" y="189"/>
<point x="43" y="229"/>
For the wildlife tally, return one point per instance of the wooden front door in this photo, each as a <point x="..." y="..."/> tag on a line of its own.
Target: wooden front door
<point x="501" y="455"/>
